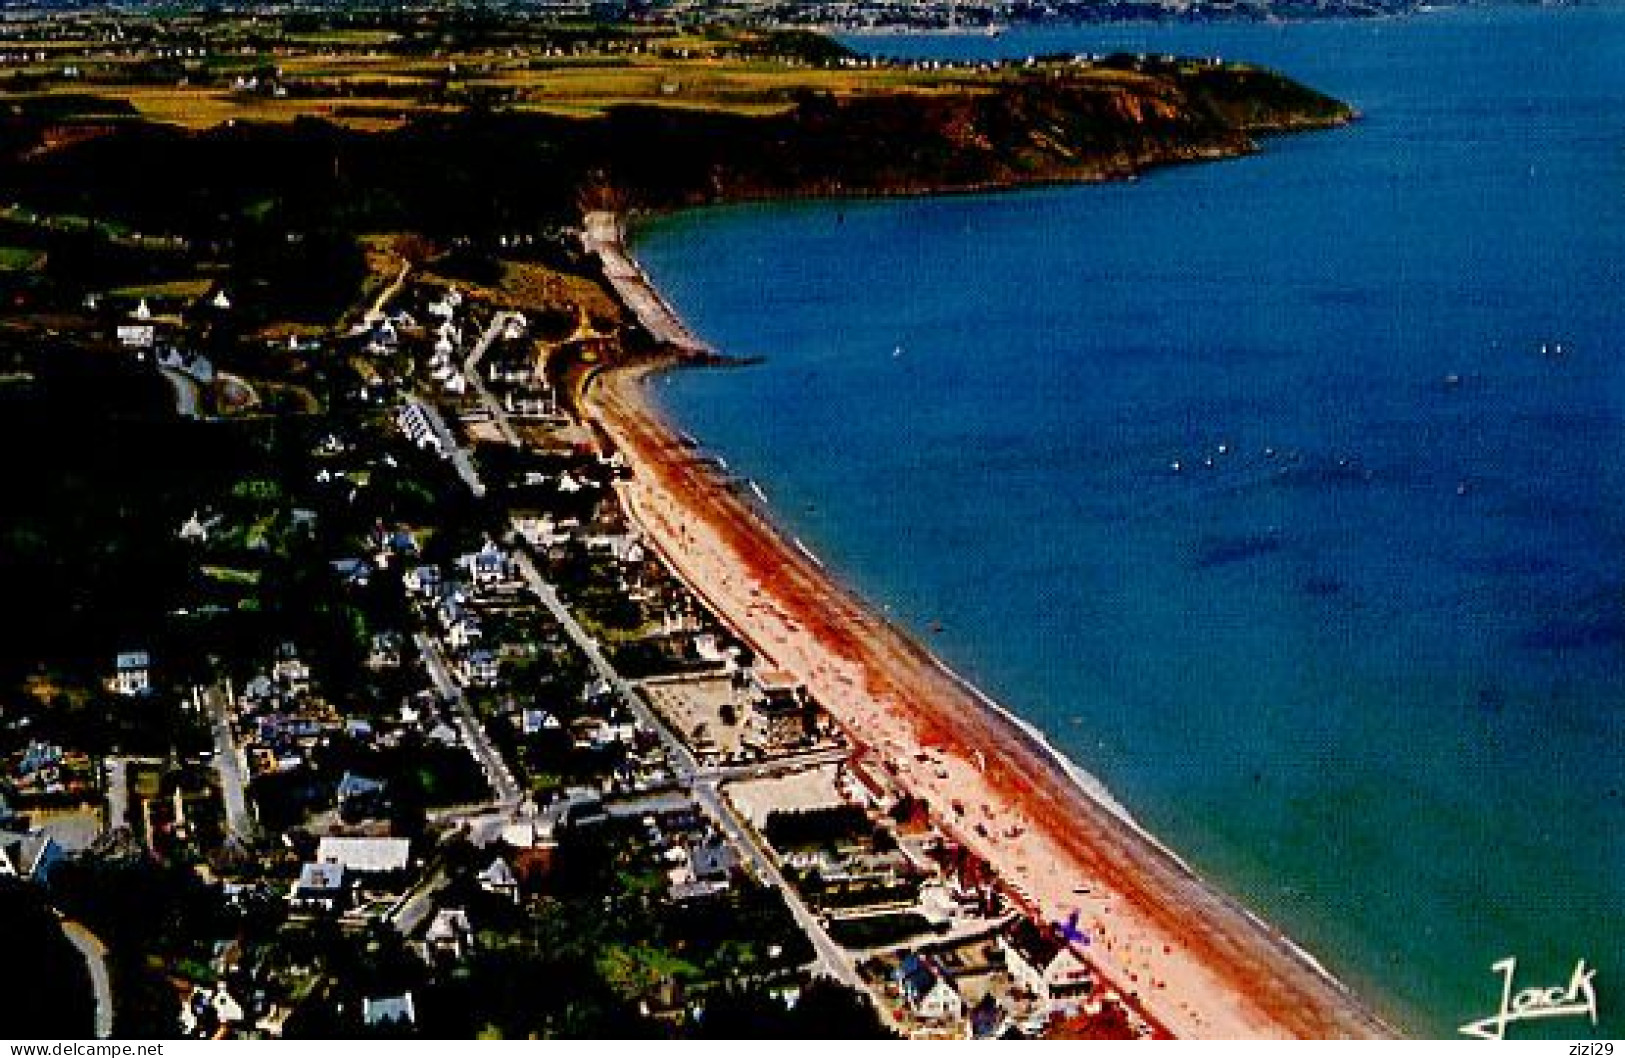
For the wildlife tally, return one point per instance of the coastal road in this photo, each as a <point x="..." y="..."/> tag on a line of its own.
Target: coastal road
<point x="94" y="952"/>
<point x="497" y="772"/>
<point x="831" y="959"/>
<point x="228" y="767"/>
<point x="471" y="370"/>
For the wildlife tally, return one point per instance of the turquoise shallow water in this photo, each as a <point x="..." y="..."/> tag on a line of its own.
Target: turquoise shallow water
<point x="1366" y="670"/>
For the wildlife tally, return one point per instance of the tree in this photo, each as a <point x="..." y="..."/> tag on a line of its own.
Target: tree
<point x="54" y="986"/>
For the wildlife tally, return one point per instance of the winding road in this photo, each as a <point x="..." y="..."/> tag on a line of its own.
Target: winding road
<point x="94" y="952"/>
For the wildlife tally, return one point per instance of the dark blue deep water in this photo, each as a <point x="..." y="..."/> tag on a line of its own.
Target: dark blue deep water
<point x="1361" y="657"/>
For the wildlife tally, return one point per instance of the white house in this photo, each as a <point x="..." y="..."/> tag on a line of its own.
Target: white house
<point x="499" y="880"/>
<point x="29" y="857"/>
<point x="1042" y="965"/>
<point x="480" y="668"/>
<point x="928" y="989"/>
<point x="450" y="934"/>
<point x="389" y="1010"/>
<point x="137" y="335"/>
<point x="489" y="566"/>
<point x="131" y="675"/>
<point x="321" y="887"/>
<point x="366" y="855"/>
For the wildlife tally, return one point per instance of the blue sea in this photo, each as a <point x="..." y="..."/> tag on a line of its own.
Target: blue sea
<point x="1286" y="494"/>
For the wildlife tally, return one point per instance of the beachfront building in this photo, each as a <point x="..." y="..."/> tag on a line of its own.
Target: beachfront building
<point x="780" y="711"/>
<point x="1044" y="967"/>
<point x="928" y="990"/>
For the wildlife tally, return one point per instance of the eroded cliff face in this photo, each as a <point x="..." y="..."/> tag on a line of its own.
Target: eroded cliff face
<point x="471" y="171"/>
<point x="1062" y="127"/>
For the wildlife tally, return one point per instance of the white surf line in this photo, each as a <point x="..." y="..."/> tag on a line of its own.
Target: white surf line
<point x="1095" y="790"/>
<point x="807" y="551"/>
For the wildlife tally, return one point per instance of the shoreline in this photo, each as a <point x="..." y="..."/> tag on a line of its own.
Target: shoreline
<point x="1197" y="962"/>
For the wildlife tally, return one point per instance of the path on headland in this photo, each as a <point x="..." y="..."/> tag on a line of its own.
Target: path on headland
<point x="1196" y="961"/>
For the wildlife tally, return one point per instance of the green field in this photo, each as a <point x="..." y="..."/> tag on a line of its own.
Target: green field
<point x="18" y="258"/>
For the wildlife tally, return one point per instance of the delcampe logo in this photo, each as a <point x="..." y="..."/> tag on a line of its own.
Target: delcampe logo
<point x="1578" y="998"/>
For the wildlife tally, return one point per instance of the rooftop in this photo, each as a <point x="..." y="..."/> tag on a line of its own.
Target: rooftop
<point x="366" y="855"/>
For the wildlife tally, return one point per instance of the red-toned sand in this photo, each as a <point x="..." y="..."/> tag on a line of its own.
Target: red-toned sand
<point x="1195" y="962"/>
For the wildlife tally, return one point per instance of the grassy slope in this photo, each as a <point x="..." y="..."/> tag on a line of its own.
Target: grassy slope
<point x="470" y="170"/>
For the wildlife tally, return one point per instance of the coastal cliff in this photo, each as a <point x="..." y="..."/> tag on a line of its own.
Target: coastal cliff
<point x="473" y="170"/>
<point x="1060" y="127"/>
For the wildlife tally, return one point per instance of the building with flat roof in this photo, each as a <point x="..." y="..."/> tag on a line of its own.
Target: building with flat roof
<point x="366" y="855"/>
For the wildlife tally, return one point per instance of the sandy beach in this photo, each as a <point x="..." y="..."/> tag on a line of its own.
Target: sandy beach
<point x="1197" y="963"/>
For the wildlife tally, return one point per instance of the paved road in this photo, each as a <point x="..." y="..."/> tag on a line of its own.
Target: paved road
<point x="479" y="744"/>
<point x="185" y="387"/>
<point x="228" y="766"/>
<point x="471" y="370"/>
<point x="831" y="959"/>
<point x="118" y="793"/>
<point x="410" y="913"/>
<point x="448" y="444"/>
<point x="94" y="952"/>
<point x="687" y="767"/>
